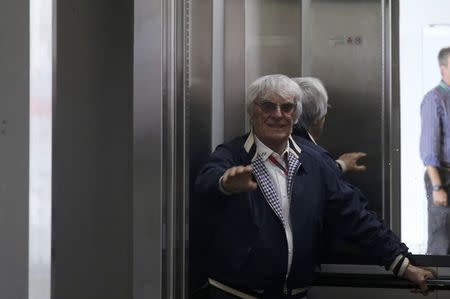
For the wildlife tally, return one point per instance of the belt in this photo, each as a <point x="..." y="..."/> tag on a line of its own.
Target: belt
<point x="254" y="294"/>
<point x="445" y="166"/>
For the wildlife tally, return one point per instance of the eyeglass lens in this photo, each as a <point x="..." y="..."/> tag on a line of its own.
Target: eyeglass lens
<point x="269" y="107"/>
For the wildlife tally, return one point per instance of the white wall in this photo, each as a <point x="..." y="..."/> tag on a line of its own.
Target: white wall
<point x="415" y="15"/>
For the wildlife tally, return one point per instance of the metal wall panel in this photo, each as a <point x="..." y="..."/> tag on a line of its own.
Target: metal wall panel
<point x="272" y="38"/>
<point x="92" y="150"/>
<point x="14" y="147"/>
<point x="200" y="115"/>
<point x="147" y="150"/>
<point x="352" y="72"/>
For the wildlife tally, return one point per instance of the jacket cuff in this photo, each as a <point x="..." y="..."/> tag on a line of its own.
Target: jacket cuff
<point x="399" y="265"/>
<point x="342" y="165"/>
<point x="221" y="188"/>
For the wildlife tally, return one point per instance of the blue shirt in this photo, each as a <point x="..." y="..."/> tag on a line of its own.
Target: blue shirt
<point x="435" y="133"/>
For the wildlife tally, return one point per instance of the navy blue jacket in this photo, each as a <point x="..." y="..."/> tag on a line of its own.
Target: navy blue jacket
<point x="245" y="241"/>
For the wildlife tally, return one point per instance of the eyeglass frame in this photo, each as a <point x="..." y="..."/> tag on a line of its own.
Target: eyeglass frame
<point x="274" y="107"/>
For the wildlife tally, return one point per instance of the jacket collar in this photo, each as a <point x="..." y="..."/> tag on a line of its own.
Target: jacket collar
<point x="250" y="146"/>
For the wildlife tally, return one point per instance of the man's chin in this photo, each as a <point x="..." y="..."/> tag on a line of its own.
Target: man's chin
<point x="281" y="136"/>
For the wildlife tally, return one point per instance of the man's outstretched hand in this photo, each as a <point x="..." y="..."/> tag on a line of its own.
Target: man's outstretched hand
<point x="238" y="179"/>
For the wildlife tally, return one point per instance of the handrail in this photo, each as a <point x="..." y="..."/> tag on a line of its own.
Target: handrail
<point x="377" y="281"/>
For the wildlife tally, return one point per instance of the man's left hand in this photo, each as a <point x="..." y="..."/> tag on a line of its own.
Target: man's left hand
<point x="418" y="276"/>
<point x="351" y="161"/>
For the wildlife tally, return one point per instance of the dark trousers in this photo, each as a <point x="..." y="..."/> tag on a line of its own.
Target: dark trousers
<point x="438" y="218"/>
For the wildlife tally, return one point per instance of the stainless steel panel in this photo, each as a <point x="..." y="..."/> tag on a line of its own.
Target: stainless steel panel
<point x="353" y="76"/>
<point x="147" y="150"/>
<point x="92" y="193"/>
<point x="234" y="69"/>
<point x="160" y="140"/>
<point x="218" y="72"/>
<point x="199" y="118"/>
<point x="14" y="147"/>
<point x="392" y="178"/>
<point x="174" y="163"/>
<point x="272" y="38"/>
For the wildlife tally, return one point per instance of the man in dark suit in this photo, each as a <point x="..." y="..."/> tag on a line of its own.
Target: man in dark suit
<point x="266" y="198"/>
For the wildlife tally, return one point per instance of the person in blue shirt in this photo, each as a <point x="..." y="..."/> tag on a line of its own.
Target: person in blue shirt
<point x="266" y="198"/>
<point x="435" y="154"/>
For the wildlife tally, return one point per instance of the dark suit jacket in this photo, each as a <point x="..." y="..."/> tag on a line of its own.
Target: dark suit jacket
<point x="243" y="234"/>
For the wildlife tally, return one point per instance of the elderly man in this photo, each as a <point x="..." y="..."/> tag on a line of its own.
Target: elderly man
<point x="312" y="119"/>
<point x="435" y="154"/>
<point x="267" y="199"/>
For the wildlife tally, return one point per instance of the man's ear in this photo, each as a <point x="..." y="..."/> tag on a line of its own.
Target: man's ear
<point x="318" y="123"/>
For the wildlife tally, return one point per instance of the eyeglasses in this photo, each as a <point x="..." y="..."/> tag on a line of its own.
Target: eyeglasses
<point x="269" y="107"/>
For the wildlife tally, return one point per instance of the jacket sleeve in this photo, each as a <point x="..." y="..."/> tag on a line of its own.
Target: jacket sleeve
<point x="207" y="181"/>
<point x="346" y="214"/>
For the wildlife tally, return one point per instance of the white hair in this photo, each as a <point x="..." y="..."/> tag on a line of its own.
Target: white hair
<point x="314" y="100"/>
<point x="279" y="84"/>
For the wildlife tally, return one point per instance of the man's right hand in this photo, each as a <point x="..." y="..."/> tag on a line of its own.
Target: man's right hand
<point x="440" y="198"/>
<point x="238" y="179"/>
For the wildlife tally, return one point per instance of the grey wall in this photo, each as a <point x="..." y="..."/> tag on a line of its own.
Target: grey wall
<point x="14" y="147"/>
<point x="92" y="150"/>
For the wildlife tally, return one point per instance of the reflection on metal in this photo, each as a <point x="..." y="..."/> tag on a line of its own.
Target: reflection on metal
<point x="160" y="163"/>
<point x="41" y="67"/>
<point x="218" y="92"/>
<point x="147" y="139"/>
<point x="174" y="149"/>
<point x="234" y="69"/>
<point x="392" y="73"/>
<point x="354" y="78"/>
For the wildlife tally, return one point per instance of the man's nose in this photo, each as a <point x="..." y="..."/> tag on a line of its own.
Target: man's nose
<point x="277" y="111"/>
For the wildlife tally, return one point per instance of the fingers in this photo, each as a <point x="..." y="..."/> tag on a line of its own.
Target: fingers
<point x="238" y="179"/>
<point x="359" y="155"/>
<point x="439" y="200"/>
<point x="252" y="185"/>
<point x="418" y="276"/>
<point x="359" y="168"/>
<point x="237" y="170"/>
<point x="351" y="161"/>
